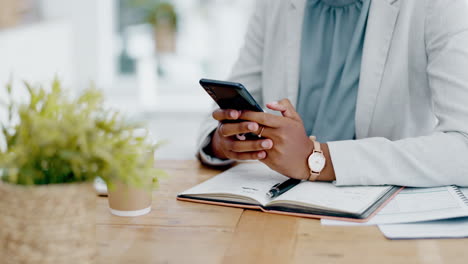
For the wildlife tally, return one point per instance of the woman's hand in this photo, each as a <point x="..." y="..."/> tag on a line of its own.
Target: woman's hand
<point x="291" y="145"/>
<point x="225" y="145"/>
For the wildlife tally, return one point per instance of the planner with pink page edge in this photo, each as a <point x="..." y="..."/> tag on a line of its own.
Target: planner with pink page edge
<point x="245" y="186"/>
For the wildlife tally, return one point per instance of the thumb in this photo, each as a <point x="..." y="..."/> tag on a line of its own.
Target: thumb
<point x="286" y="108"/>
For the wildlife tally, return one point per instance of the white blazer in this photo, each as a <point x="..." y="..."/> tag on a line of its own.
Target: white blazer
<point x="412" y="106"/>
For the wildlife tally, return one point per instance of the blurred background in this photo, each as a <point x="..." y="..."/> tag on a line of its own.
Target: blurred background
<point x="145" y="55"/>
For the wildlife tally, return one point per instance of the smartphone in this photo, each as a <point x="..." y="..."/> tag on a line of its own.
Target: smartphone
<point x="231" y="95"/>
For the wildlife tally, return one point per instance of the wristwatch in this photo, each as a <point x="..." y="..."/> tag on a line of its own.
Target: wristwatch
<point x="316" y="160"/>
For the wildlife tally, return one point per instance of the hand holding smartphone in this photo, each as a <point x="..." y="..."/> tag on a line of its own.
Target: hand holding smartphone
<point x="231" y="95"/>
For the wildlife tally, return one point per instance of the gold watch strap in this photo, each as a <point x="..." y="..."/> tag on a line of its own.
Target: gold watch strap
<point x="313" y="176"/>
<point x="316" y="145"/>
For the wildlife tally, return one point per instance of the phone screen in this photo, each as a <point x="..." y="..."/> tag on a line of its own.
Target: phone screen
<point x="230" y="95"/>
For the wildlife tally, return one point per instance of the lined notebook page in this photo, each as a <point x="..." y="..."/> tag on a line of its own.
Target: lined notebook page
<point x="354" y="199"/>
<point x="450" y="228"/>
<point x="419" y="204"/>
<point x="252" y="180"/>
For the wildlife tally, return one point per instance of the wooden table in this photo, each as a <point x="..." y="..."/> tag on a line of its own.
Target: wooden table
<point x="183" y="232"/>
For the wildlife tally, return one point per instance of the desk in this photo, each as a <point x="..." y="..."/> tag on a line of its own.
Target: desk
<point x="183" y="232"/>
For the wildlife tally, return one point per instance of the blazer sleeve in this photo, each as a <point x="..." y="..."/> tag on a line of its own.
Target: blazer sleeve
<point x="440" y="158"/>
<point x="247" y="70"/>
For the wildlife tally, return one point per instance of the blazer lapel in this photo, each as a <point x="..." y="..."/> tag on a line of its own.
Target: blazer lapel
<point x="294" y="17"/>
<point x="380" y="26"/>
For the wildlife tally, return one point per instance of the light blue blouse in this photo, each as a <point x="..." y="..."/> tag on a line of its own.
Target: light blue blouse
<point x="332" y="44"/>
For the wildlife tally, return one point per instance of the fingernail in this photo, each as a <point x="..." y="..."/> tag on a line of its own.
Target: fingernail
<point x="233" y="114"/>
<point x="274" y="103"/>
<point x="266" y="144"/>
<point x="261" y="155"/>
<point x="252" y="127"/>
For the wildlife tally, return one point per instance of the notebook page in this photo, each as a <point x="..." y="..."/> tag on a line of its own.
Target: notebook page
<point x="450" y="228"/>
<point x="417" y="205"/>
<point x="355" y="199"/>
<point x="252" y="180"/>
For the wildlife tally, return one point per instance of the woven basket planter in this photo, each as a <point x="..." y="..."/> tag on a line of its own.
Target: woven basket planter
<point x="47" y="224"/>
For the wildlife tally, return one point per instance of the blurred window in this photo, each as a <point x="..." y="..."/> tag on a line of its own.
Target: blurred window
<point x="191" y="39"/>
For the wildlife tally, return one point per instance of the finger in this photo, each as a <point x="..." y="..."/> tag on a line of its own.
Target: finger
<point x="286" y="109"/>
<point x="232" y="129"/>
<point x="226" y="114"/>
<point x="260" y="130"/>
<point x="250" y="145"/>
<point x="276" y="107"/>
<point x="266" y="133"/>
<point x="261" y="118"/>
<point x="290" y="109"/>
<point x="241" y="137"/>
<point x="256" y="155"/>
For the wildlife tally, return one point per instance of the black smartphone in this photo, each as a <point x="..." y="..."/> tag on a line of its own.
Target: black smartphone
<point x="231" y="95"/>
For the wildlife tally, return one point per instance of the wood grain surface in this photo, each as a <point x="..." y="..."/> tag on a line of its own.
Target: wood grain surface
<point x="184" y="232"/>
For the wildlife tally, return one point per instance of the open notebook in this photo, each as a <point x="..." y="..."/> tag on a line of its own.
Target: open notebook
<point x="418" y="205"/>
<point x="246" y="186"/>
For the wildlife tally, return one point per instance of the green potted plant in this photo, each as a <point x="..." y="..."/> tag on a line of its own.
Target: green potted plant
<point x="162" y="15"/>
<point x="53" y="148"/>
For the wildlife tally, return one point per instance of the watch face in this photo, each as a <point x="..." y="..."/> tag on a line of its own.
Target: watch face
<point x="316" y="162"/>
